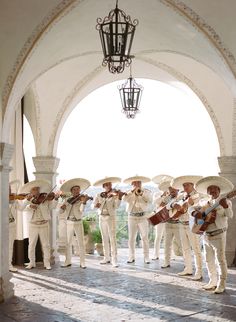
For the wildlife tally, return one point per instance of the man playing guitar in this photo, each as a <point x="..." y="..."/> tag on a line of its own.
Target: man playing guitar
<point x="215" y="233"/>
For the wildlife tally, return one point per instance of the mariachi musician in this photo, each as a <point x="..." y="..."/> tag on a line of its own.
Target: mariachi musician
<point x="157" y="200"/>
<point x="107" y="203"/>
<point x="138" y="200"/>
<point x="72" y="209"/>
<point x="171" y="226"/>
<point x="39" y="205"/>
<point x="215" y="234"/>
<point x="13" y="207"/>
<point x="189" y="240"/>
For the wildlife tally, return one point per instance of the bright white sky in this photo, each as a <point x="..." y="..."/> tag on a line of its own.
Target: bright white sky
<point x="173" y="134"/>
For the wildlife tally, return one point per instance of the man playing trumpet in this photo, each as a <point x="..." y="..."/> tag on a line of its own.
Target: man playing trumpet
<point x="138" y="200"/>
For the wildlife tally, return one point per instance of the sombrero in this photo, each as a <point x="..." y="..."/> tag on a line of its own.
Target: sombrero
<point x="178" y="182"/>
<point x="224" y="184"/>
<point x="106" y="180"/>
<point x="44" y="186"/>
<point x="164" y="185"/>
<point x="161" y="177"/>
<point x="137" y="178"/>
<point x="82" y="183"/>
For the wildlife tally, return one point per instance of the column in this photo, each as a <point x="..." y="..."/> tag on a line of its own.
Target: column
<point x="6" y="287"/>
<point x="228" y="170"/>
<point x="46" y="167"/>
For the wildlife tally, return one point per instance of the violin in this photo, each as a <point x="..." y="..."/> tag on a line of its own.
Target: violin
<point x="42" y="197"/>
<point x="112" y="193"/>
<point x="84" y="198"/>
<point x="20" y="196"/>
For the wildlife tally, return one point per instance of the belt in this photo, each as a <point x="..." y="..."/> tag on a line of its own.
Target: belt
<point x="216" y="232"/>
<point x="171" y="221"/>
<point x="136" y="214"/>
<point x="73" y="219"/>
<point x="39" y="222"/>
<point x="184" y="222"/>
<point x="104" y="215"/>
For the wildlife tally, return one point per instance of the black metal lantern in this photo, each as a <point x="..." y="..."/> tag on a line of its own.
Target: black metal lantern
<point x="116" y="33"/>
<point x="130" y="94"/>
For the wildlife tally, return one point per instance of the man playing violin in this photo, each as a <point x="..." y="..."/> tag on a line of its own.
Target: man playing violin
<point x="215" y="234"/>
<point x="72" y="210"/>
<point x="39" y="209"/>
<point x="107" y="202"/>
<point x="138" y="200"/>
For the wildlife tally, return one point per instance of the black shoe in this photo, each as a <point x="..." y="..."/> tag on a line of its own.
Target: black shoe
<point x="155" y="259"/>
<point x="165" y="266"/>
<point x="82" y="266"/>
<point x="65" y="265"/>
<point x="130" y="261"/>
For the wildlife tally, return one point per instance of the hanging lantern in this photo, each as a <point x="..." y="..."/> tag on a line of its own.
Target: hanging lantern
<point x="116" y="33"/>
<point x="130" y="94"/>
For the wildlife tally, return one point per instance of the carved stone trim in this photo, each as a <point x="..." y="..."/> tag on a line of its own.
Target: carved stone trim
<point x="38" y="121"/>
<point x="227" y="164"/>
<point x="196" y="90"/>
<point x="183" y="10"/>
<point x="46" y="164"/>
<point x="32" y="42"/>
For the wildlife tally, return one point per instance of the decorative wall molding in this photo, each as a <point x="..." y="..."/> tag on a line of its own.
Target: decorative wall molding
<point x="32" y="42"/>
<point x="67" y="102"/>
<point x="181" y="77"/>
<point x="6" y="153"/>
<point x="196" y="21"/>
<point x="38" y="120"/>
<point x="234" y="129"/>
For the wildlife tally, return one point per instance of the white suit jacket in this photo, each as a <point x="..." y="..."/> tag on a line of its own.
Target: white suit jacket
<point x="142" y="202"/>
<point x="75" y="210"/>
<point x="111" y="204"/>
<point x="44" y="208"/>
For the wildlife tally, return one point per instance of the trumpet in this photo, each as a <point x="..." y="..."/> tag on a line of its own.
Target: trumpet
<point x="138" y="192"/>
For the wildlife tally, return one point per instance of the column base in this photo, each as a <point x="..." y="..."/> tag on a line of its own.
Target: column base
<point x="6" y="288"/>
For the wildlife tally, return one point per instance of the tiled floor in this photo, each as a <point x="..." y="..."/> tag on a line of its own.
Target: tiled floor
<point x="100" y="293"/>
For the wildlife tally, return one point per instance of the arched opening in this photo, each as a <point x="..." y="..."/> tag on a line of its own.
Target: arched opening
<point x="172" y="134"/>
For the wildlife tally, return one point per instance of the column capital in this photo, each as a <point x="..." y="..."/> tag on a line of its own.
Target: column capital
<point x="46" y="167"/>
<point x="6" y="152"/>
<point x="227" y="164"/>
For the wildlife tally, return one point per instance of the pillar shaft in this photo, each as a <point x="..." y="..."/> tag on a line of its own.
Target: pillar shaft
<point x="228" y="170"/>
<point x="6" y="287"/>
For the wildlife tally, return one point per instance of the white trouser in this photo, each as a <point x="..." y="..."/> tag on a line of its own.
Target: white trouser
<point x="41" y="232"/>
<point x="190" y="240"/>
<point x="75" y="227"/>
<point x="159" y="232"/>
<point x="215" y="257"/>
<point x="107" y="225"/>
<point x="171" y="231"/>
<point x="136" y="224"/>
<point x="12" y="237"/>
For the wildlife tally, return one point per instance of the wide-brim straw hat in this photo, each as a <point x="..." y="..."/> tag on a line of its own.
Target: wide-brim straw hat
<point x="161" y="177"/>
<point x="137" y="178"/>
<point x="106" y="180"/>
<point x="44" y="185"/>
<point x="224" y="184"/>
<point x="164" y="185"/>
<point x="178" y="182"/>
<point x="69" y="184"/>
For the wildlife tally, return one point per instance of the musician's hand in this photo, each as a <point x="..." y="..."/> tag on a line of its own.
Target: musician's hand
<point x="197" y="214"/>
<point x="63" y="207"/>
<point x="223" y="203"/>
<point x="33" y="207"/>
<point x="162" y="204"/>
<point x="190" y="201"/>
<point x="29" y="197"/>
<point x="98" y="205"/>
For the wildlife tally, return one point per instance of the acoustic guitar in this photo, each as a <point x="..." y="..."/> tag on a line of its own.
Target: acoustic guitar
<point x="206" y="216"/>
